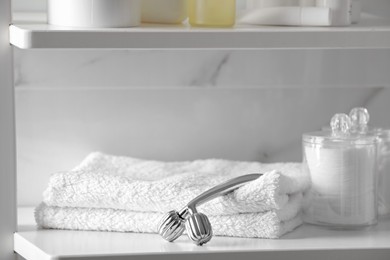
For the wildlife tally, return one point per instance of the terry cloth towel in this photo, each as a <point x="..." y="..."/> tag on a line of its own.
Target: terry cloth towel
<point x="127" y="188"/>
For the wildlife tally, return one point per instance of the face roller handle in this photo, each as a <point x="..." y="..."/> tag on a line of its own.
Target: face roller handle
<point x="219" y="190"/>
<point x="198" y="226"/>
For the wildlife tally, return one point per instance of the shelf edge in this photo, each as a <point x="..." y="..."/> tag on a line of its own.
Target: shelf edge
<point x="25" y="38"/>
<point x="28" y="250"/>
<point x="20" y="38"/>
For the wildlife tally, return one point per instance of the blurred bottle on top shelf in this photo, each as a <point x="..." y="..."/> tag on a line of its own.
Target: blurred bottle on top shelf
<point x="212" y="13"/>
<point x="165" y="12"/>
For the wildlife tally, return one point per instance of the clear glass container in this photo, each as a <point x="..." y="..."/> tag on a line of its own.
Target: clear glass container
<point x="384" y="172"/>
<point x="342" y="166"/>
<point x="212" y="13"/>
<point x="360" y="119"/>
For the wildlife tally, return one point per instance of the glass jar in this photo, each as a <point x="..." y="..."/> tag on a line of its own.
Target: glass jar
<point x="342" y="167"/>
<point x="383" y="172"/>
<point x="212" y="13"/>
<point x="360" y="119"/>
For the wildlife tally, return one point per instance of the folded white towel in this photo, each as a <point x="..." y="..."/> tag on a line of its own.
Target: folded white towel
<point x="115" y="193"/>
<point x="106" y="181"/>
<point x="254" y="225"/>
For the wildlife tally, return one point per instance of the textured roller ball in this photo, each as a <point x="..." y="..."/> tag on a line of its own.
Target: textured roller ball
<point x="171" y="226"/>
<point x="199" y="229"/>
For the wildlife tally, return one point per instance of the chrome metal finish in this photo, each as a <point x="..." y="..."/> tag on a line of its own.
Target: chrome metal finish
<point x="199" y="229"/>
<point x="197" y="224"/>
<point x="220" y="190"/>
<point x="171" y="226"/>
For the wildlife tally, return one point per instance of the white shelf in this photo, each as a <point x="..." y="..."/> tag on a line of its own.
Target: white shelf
<point x="305" y="242"/>
<point x="371" y="32"/>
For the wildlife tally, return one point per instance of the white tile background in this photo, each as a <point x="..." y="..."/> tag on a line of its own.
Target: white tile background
<point x="183" y="105"/>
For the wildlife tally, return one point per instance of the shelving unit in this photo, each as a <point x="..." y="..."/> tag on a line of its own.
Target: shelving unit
<point x="372" y="32"/>
<point x="306" y="242"/>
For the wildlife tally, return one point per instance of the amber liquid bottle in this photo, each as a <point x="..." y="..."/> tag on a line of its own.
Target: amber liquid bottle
<point x="212" y="13"/>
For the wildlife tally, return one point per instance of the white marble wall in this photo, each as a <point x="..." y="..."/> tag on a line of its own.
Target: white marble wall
<point x="183" y="105"/>
<point x="186" y="69"/>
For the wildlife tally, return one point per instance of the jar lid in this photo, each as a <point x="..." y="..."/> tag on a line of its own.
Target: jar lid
<point x="340" y="133"/>
<point x="360" y="119"/>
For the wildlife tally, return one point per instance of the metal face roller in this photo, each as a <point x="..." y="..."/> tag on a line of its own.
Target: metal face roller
<point x="171" y="226"/>
<point x="198" y="226"/>
<point x="199" y="229"/>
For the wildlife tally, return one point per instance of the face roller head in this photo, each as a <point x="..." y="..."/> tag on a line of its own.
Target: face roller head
<point x="171" y="226"/>
<point x="199" y="229"/>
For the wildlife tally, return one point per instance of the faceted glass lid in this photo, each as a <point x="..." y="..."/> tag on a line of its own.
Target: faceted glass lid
<point x="341" y="132"/>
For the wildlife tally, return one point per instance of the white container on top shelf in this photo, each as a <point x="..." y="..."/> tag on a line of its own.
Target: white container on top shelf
<point x="270" y="3"/>
<point x="341" y="11"/>
<point x="94" y="13"/>
<point x="164" y="11"/>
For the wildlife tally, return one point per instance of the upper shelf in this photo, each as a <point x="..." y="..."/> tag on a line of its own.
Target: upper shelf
<point x="371" y="32"/>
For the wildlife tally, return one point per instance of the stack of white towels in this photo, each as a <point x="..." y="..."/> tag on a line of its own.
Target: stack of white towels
<point x="112" y="193"/>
